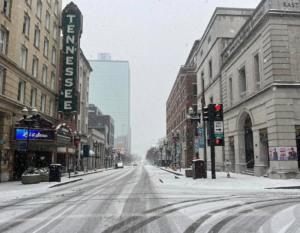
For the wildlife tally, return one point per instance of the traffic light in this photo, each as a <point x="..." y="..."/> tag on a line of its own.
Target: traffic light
<point x="218" y="112"/>
<point x="219" y="142"/>
<point x="206" y="113"/>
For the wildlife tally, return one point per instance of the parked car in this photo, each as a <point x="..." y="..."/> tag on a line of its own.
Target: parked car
<point x="134" y="164"/>
<point x="119" y="165"/>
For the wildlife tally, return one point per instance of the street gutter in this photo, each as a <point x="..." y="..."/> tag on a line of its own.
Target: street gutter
<point x="68" y="182"/>
<point x="176" y="173"/>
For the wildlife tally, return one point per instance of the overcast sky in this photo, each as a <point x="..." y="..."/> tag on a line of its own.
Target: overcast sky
<point x="155" y="36"/>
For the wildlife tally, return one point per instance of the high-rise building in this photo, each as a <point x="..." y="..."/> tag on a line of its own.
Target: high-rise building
<point x="110" y="91"/>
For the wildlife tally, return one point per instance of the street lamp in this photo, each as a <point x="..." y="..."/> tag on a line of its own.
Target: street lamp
<point x="77" y="137"/>
<point x="166" y="143"/>
<point x="96" y="145"/>
<point x="28" y="122"/>
<point x="160" y="150"/>
<point x="106" y="155"/>
<point x="175" y="140"/>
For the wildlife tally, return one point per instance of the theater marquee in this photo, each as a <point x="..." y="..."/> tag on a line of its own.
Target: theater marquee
<point x="71" y="25"/>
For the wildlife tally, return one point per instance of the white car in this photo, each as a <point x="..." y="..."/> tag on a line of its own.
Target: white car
<point x="120" y="165"/>
<point x="134" y="164"/>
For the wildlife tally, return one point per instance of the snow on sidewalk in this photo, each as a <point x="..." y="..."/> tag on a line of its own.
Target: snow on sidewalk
<point x="236" y="182"/>
<point x="15" y="189"/>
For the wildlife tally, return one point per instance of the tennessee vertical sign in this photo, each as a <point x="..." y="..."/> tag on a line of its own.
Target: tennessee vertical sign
<point x="71" y="26"/>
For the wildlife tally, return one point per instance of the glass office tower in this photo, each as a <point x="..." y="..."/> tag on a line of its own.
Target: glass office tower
<point x="110" y="92"/>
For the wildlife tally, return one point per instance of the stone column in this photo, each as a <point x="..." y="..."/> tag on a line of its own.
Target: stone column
<point x="260" y="156"/>
<point x="239" y="150"/>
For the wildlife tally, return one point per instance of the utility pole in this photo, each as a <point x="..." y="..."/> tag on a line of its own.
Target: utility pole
<point x="204" y="127"/>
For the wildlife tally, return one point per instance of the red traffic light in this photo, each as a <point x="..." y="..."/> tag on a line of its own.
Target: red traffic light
<point x="218" y="107"/>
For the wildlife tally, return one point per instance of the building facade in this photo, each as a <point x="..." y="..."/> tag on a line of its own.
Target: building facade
<point x="256" y="77"/>
<point x="106" y="125"/>
<point x="29" y="61"/>
<point x="181" y="98"/>
<point x="110" y="91"/>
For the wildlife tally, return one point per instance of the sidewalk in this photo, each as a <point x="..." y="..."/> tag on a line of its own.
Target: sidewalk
<point x="236" y="182"/>
<point x="15" y="189"/>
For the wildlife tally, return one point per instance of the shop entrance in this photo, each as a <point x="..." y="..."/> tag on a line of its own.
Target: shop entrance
<point x="43" y="159"/>
<point x="20" y="165"/>
<point x="249" y="142"/>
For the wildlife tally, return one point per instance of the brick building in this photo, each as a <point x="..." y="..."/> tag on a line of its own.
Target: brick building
<point x="182" y="96"/>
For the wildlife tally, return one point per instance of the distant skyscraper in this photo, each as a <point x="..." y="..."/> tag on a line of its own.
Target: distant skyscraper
<point x="104" y="56"/>
<point x="110" y="91"/>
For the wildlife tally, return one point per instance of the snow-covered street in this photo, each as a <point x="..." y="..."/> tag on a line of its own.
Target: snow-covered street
<point x="148" y="199"/>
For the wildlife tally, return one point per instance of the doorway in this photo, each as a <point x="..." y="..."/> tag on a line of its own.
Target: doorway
<point x="20" y="165"/>
<point x="249" y="143"/>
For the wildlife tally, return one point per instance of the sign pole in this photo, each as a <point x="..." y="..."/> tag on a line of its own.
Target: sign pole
<point x="212" y="149"/>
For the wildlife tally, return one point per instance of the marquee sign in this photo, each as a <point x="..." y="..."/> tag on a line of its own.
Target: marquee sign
<point x="21" y="134"/>
<point x="71" y="25"/>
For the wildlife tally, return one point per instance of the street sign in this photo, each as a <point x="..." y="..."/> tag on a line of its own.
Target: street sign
<point x="219" y="135"/>
<point x="201" y="137"/>
<point x="218" y="126"/>
<point x="176" y="159"/>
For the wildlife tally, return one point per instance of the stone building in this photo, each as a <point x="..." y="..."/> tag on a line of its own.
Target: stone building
<point x="106" y="125"/>
<point x="255" y="74"/>
<point x="29" y="58"/>
<point x="182" y="96"/>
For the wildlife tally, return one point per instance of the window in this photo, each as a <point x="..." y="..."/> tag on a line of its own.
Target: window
<point x="1" y="79"/>
<point x="39" y="9"/>
<point x="28" y="2"/>
<point x="209" y="39"/>
<point x="54" y="31"/>
<point x="44" y="75"/>
<point x="43" y="101"/>
<point x="3" y="39"/>
<point x="242" y="79"/>
<point x="6" y="7"/>
<point x="23" y="57"/>
<point x="201" y="53"/>
<point x="210" y="68"/>
<point x="26" y="23"/>
<point x="56" y="8"/>
<point x="33" y="97"/>
<point x="21" y="91"/>
<point x="53" y="55"/>
<point x="211" y="100"/>
<point x="230" y="90"/>
<point x="183" y="114"/>
<point x="46" y="45"/>
<point x="59" y="116"/>
<point x="51" y="107"/>
<point x="256" y="68"/>
<point x="36" y="36"/>
<point x="34" y="66"/>
<point x="47" y="21"/>
<point x="195" y="89"/>
<point x="52" y="81"/>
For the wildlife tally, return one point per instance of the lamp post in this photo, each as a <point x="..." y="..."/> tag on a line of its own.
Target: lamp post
<point x="166" y="143"/>
<point x="77" y="137"/>
<point x="96" y="145"/>
<point x="195" y="118"/>
<point x="175" y="140"/>
<point x="106" y="155"/>
<point x="28" y="122"/>
<point x="160" y="150"/>
<point x="113" y="158"/>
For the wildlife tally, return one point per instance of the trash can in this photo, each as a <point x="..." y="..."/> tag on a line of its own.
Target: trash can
<point x="199" y="169"/>
<point x="55" y="172"/>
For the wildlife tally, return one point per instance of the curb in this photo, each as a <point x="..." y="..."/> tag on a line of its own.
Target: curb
<point x="176" y="173"/>
<point x="288" y="187"/>
<point x="85" y="174"/>
<point x="68" y="182"/>
<point x="89" y="173"/>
